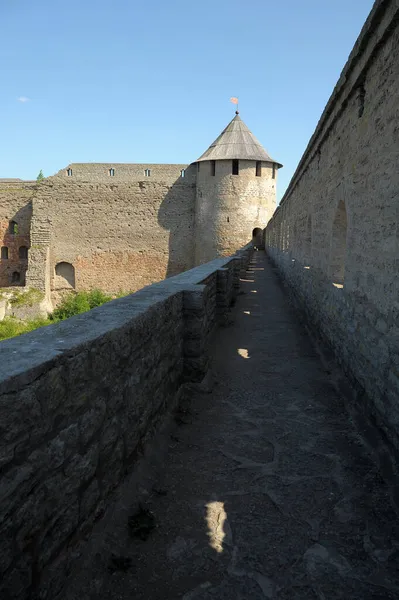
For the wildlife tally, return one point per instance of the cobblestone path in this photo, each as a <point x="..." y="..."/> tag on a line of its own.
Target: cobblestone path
<point x="266" y="490"/>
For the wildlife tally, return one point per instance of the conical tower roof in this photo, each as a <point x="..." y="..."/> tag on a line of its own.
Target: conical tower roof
<point x="236" y="141"/>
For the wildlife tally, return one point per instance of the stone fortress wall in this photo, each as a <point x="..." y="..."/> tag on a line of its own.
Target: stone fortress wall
<point x="335" y="235"/>
<point x="15" y="218"/>
<point x="229" y="207"/>
<point x="117" y="232"/>
<point x="77" y="402"/>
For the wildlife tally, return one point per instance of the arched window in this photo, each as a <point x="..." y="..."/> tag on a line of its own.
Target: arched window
<point x="64" y="275"/>
<point x="147" y="172"/>
<point x="69" y="172"/>
<point x="15" y="277"/>
<point x="13" y="227"/>
<point x="111" y="172"/>
<point x="338" y="245"/>
<point x="258" y="172"/>
<point x="23" y="252"/>
<point x="4" y="253"/>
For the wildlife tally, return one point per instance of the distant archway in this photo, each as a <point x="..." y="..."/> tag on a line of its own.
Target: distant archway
<point x="64" y="276"/>
<point x="257" y="237"/>
<point x="338" y="245"/>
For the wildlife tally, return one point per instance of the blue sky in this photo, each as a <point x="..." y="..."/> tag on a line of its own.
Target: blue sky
<point x="128" y="81"/>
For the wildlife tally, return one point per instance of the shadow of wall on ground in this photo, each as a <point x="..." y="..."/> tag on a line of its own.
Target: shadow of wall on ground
<point x="177" y="214"/>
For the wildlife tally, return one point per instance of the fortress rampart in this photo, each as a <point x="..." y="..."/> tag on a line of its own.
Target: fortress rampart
<point x="118" y="232"/>
<point x="335" y="234"/>
<point x="77" y="403"/>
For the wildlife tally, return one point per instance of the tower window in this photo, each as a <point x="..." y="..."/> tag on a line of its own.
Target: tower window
<point x="15" y="277"/>
<point x="213" y="168"/>
<point x="198" y="166"/>
<point x="111" y="172"/>
<point x="147" y="172"/>
<point x="13" y="228"/>
<point x="23" y="252"/>
<point x="4" y="253"/>
<point x="274" y="171"/>
<point x="235" y="167"/>
<point x="258" y="168"/>
<point x="69" y="172"/>
<point x="183" y="172"/>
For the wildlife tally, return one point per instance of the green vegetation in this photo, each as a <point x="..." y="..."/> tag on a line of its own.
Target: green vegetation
<point x="40" y="177"/>
<point x="75" y="304"/>
<point x="28" y="298"/>
<point x="72" y="304"/>
<point x="11" y="327"/>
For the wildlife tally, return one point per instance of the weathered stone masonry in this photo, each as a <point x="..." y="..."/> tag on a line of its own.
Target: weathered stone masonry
<point x="119" y="227"/>
<point x="15" y="218"/>
<point x="77" y="402"/>
<point x="335" y="235"/>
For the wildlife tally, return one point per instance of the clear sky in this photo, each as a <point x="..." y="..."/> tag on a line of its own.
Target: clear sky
<point x="130" y="81"/>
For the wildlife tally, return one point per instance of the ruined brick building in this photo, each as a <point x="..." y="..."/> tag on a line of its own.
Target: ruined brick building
<point x="123" y="226"/>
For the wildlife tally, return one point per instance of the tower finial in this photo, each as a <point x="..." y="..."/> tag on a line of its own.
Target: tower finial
<point x="234" y="100"/>
<point x="237" y="112"/>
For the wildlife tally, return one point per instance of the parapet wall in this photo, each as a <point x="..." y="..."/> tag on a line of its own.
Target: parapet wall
<point x="78" y="400"/>
<point x="335" y="235"/>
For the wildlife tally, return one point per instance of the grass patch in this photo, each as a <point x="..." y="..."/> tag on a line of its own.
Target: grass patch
<point x="28" y="298"/>
<point x="76" y="304"/>
<point x="72" y="304"/>
<point x="12" y="327"/>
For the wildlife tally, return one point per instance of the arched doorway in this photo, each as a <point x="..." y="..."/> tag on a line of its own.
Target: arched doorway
<point x="64" y="276"/>
<point x="338" y="245"/>
<point x="257" y="237"/>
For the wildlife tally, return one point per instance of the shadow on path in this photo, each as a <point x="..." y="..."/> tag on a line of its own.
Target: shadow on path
<point x="267" y="490"/>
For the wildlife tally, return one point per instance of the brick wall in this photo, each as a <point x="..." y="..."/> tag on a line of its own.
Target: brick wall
<point x="119" y="233"/>
<point x="15" y="206"/>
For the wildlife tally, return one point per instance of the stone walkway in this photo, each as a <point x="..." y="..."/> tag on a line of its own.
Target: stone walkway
<point x="267" y="490"/>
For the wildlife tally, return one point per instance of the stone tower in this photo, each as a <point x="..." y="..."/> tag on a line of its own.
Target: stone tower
<point x="236" y="192"/>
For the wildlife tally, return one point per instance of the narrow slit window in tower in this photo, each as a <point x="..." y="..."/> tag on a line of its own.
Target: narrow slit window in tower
<point x="235" y="167"/>
<point x="4" y="253"/>
<point x="183" y="172"/>
<point x="23" y="252"/>
<point x="274" y="171"/>
<point x="213" y="168"/>
<point x="13" y="228"/>
<point x="258" y="168"/>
